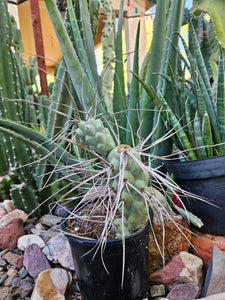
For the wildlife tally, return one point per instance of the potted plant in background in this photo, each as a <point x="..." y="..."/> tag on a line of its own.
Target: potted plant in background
<point x="78" y="161"/>
<point x="197" y="115"/>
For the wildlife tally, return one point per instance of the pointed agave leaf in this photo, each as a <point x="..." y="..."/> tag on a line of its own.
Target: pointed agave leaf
<point x="133" y="112"/>
<point x="88" y="38"/>
<point x="182" y="103"/>
<point x="198" y="138"/>
<point x="154" y="65"/>
<point x="81" y="82"/>
<point x="119" y="95"/>
<point x="167" y="113"/>
<point x="83" y="50"/>
<point x="210" y="111"/>
<point x="207" y="135"/>
<point x="201" y="107"/>
<point x="221" y="102"/>
<point x="189" y="124"/>
<point x="60" y="109"/>
<point x="174" y="101"/>
<point x="201" y="66"/>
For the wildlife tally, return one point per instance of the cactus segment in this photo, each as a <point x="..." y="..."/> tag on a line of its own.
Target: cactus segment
<point x="93" y="134"/>
<point x="22" y="195"/>
<point x="135" y="212"/>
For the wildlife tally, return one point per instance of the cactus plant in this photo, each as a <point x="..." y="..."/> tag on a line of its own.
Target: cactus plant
<point x="42" y="119"/>
<point x="83" y="86"/>
<point x="126" y="175"/>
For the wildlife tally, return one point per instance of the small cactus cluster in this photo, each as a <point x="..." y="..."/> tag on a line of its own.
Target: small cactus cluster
<point x="125" y="170"/>
<point x="93" y="134"/>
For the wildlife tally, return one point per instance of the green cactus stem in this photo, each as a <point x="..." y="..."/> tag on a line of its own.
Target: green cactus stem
<point x="93" y="134"/>
<point x="126" y="173"/>
<point x="135" y="181"/>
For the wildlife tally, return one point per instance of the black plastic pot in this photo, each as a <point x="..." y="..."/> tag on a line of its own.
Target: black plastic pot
<point x="93" y="280"/>
<point x="205" y="178"/>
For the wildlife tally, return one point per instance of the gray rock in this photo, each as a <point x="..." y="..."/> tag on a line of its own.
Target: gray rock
<point x="2" y="262"/>
<point x="16" y="282"/>
<point x="3" y="278"/>
<point x="8" y="281"/>
<point x="50" y="220"/>
<point x="215" y="277"/>
<point x="60" y="210"/>
<point x="10" y="257"/>
<point x="220" y="296"/>
<point x="58" y="250"/>
<point x="6" y="293"/>
<point x="34" y="261"/>
<point x="22" y="272"/>
<point x="25" y="288"/>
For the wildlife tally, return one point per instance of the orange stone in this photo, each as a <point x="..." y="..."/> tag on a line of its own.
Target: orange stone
<point x="172" y="238"/>
<point x="202" y="244"/>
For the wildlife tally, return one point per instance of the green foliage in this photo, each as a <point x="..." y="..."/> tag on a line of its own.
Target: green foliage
<point x="197" y="115"/>
<point x="70" y="117"/>
<point x="216" y="9"/>
<point x="28" y="125"/>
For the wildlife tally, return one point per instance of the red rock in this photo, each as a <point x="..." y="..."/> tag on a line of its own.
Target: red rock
<point x="10" y="233"/>
<point x="202" y="245"/>
<point x="18" y="262"/>
<point x="183" y="292"/>
<point x="176" y="239"/>
<point x="34" y="261"/>
<point x="3" y="212"/>
<point x="183" y="268"/>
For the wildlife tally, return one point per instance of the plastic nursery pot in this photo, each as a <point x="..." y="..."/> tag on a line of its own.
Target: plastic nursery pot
<point x="95" y="282"/>
<point x="205" y="178"/>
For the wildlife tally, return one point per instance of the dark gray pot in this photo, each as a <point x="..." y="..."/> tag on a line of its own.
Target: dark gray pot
<point x="205" y="178"/>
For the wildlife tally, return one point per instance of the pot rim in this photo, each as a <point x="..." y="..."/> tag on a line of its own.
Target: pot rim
<point x="197" y="169"/>
<point x="109" y="241"/>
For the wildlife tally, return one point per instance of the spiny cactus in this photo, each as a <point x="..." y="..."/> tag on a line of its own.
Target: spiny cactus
<point x="93" y="134"/>
<point x="125" y="170"/>
<point x="128" y="178"/>
<point x="32" y="189"/>
<point x="135" y="181"/>
<point x="29" y="74"/>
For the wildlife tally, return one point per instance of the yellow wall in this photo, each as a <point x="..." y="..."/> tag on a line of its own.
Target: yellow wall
<point x="51" y="46"/>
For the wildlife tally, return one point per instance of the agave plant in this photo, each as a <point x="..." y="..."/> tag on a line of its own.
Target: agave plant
<point x="196" y="110"/>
